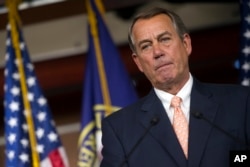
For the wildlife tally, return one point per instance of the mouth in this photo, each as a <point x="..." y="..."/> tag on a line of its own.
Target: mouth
<point x="165" y="65"/>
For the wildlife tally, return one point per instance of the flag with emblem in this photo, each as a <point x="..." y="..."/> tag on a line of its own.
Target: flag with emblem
<point x="107" y="85"/>
<point x="244" y="60"/>
<point x="31" y="139"/>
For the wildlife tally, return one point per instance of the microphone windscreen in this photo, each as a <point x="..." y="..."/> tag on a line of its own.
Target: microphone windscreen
<point x="197" y="114"/>
<point x="154" y="120"/>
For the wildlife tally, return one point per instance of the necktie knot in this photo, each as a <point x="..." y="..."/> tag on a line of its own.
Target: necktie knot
<point x="176" y="102"/>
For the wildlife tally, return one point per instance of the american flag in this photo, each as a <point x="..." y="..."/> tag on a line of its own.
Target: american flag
<point x="17" y="142"/>
<point x="244" y="59"/>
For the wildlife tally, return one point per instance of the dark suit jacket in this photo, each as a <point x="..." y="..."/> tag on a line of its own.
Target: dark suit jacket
<point x="227" y="106"/>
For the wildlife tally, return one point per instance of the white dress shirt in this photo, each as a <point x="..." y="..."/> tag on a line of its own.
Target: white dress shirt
<point x="184" y="94"/>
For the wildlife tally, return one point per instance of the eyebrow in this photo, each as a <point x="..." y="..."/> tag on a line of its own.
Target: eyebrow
<point x="158" y="36"/>
<point x="143" y="41"/>
<point x="164" y="33"/>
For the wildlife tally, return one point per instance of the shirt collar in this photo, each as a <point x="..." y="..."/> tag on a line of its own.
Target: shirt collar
<point x="184" y="93"/>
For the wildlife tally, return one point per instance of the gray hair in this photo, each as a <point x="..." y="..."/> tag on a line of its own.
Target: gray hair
<point x="176" y="20"/>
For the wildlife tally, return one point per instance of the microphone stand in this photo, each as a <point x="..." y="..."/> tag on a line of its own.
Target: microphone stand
<point x="153" y="122"/>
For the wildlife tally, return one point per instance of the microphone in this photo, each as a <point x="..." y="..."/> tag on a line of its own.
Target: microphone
<point x="154" y="121"/>
<point x="199" y="115"/>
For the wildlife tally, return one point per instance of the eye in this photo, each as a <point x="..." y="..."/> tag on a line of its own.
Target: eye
<point x="164" y="39"/>
<point x="145" y="46"/>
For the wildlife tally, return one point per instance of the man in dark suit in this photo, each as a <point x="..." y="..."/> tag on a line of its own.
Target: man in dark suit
<point x="144" y="134"/>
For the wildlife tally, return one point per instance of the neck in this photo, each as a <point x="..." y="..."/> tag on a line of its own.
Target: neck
<point x="174" y="87"/>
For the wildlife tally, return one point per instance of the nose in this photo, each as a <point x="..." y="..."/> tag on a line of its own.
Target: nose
<point x="158" y="52"/>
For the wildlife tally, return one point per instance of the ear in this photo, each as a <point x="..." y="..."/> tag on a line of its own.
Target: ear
<point x="187" y="43"/>
<point x="137" y="61"/>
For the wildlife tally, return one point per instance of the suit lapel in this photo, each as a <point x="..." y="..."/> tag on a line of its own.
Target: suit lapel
<point x="163" y="131"/>
<point x="200" y="129"/>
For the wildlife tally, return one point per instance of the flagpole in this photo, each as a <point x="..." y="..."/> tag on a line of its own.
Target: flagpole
<point x="101" y="69"/>
<point x="14" y="20"/>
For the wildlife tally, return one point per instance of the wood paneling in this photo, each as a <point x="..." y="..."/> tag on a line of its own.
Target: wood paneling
<point x="214" y="54"/>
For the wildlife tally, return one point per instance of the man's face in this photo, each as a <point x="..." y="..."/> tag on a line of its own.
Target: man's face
<point x="160" y="53"/>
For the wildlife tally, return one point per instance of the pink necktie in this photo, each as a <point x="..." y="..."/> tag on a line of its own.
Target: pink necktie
<point x="180" y="124"/>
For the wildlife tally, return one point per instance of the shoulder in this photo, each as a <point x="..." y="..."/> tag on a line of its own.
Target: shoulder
<point x="228" y="89"/>
<point x="128" y="113"/>
<point x="221" y="89"/>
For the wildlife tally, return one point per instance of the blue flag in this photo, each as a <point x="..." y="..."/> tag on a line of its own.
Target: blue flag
<point x="107" y="86"/>
<point x="21" y="124"/>
<point x="244" y="60"/>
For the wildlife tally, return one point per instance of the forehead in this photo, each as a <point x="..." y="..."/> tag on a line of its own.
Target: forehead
<point x="153" y="25"/>
<point x="163" y="17"/>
